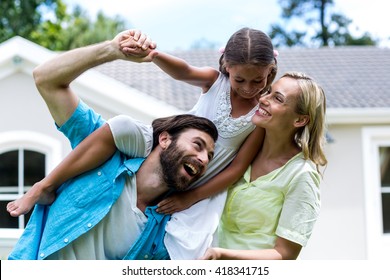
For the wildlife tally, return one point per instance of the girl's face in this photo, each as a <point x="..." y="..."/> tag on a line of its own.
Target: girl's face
<point x="248" y="80"/>
<point x="277" y="108"/>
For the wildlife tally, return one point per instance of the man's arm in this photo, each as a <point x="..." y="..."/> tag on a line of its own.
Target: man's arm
<point x="54" y="77"/>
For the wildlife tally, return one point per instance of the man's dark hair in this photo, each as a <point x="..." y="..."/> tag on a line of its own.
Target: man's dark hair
<point x="175" y="125"/>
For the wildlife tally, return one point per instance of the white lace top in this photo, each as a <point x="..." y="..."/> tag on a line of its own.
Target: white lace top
<point x="216" y="106"/>
<point x="190" y="232"/>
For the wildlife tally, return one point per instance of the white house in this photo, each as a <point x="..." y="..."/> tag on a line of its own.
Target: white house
<point x="355" y="218"/>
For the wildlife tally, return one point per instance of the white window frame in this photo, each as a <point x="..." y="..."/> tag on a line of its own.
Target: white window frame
<point x="28" y="140"/>
<point x="378" y="243"/>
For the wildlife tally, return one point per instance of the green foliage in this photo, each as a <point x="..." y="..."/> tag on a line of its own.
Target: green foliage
<point x="81" y="31"/>
<point x="281" y="37"/>
<point x="314" y="25"/>
<point x="21" y="17"/>
<point x="48" y="23"/>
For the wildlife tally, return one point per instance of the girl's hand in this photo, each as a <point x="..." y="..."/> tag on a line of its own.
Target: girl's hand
<point x="136" y="39"/>
<point x="175" y="203"/>
<point x="136" y="46"/>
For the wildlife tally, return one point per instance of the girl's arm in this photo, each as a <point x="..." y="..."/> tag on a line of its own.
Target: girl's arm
<point x="179" y="69"/>
<point x="220" y="182"/>
<point x="175" y="67"/>
<point x="283" y="250"/>
<point x="90" y="153"/>
<point x="93" y="151"/>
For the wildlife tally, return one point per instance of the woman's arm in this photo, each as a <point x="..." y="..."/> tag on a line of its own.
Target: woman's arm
<point x="220" y="182"/>
<point x="283" y="250"/>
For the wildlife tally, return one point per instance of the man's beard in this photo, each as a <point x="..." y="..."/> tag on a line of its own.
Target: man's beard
<point x="172" y="160"/>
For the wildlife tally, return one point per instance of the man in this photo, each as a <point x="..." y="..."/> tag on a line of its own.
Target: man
<point x="100" y="213"/>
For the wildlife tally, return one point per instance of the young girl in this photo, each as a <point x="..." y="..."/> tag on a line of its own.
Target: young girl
<point x="230" y="98"/>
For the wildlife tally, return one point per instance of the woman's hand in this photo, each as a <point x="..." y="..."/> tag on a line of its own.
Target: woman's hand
<point x="211" y="254"/>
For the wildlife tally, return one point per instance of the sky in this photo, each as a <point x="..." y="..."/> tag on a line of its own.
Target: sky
<point x="178" y="24"/>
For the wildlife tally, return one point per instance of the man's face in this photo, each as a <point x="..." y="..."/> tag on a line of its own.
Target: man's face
<point x="185" y="159"/>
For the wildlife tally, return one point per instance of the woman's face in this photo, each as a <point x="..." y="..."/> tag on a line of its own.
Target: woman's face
<point x="277" y="108"/>
<point x="248" y="80"/>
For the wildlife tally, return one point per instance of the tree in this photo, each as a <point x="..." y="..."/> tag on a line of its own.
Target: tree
<point x="316" y="24"/>
<point x="23" y="17"/>
<point x="82" y="31"/>
<point x="47" y="23"/>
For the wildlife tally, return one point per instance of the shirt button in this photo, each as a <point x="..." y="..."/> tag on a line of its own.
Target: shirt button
<point x="41" y="255"/>
<point x="99" y="173"/>
<point x="66" y="240"/>
<point x="146" y="256"/>
<point x="89" y="225"/>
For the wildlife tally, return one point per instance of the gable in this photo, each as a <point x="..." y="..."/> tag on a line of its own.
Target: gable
<point x="19" y="55"/>
<point x="356" y="80"/>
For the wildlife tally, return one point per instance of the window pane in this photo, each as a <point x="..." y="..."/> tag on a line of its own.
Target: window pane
<point x="34" y="167"/>
<point x="27" y="217"/>
<point x="384" y="153"/>
<point x="9" y="169"/>
<point x="386" y="212"/>
<point x="385" y="166"/>
<point x="6" y="221"/>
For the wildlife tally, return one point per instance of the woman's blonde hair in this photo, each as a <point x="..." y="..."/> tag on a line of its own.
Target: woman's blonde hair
<point x="311" y="102"/>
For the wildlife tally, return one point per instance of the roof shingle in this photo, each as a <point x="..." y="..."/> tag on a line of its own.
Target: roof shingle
<point x="352" y="77"/>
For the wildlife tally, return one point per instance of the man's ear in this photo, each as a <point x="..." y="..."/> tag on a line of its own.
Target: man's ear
<point x="301" y="121"/>
<point x="164" y="139"/>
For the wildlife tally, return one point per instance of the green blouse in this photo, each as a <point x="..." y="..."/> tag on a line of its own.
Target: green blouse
<point x="284" y="203"/>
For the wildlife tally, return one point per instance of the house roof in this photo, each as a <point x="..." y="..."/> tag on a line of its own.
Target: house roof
<point x="21" y="55"/>
<point x="352" y="77"/>
<point x="148" y="78"/>
<point x="355" y="79"/>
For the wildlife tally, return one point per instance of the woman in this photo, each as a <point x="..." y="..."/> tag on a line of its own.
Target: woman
<point x="270" y="212"/>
